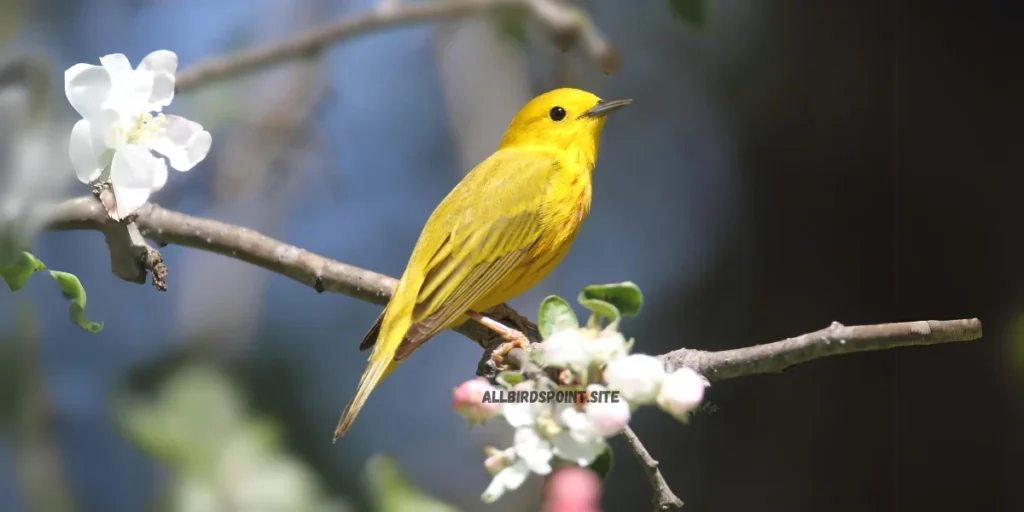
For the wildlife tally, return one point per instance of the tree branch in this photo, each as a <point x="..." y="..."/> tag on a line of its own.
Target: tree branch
<point x="325" y="274"/>
<point x="833" y="340"/>
<point x="567" y="24"/>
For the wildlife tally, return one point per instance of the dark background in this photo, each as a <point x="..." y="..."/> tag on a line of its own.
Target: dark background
<point x="795" y="163"/>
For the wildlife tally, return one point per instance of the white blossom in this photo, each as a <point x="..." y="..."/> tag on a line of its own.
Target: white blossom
<point x="580" y="441"/>
<point x="533" y="450"/>
<point x="681" y="392"/>
<point x="115" y="139"/>
<point x="507" y="479"/>
<point x="606" y="346"/>
<point x="566" y="348"/>
<point x="637" y="376"/>
<point x="607" y="417"/>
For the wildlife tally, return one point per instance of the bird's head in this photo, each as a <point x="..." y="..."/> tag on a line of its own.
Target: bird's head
<point x="568" y="119"/>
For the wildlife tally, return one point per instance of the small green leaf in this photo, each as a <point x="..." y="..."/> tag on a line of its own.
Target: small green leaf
<point x="72" y="289"/>
<point x="601" y="309"/>
<point x="509" y="379"/>
<point x="18" y="271"/>
<point x="602" y="465"/>
<point x="392" y="492"/>
<point x="625" y="296"/>
<point x="555" y="315"/>
<point x="691" y="12"/>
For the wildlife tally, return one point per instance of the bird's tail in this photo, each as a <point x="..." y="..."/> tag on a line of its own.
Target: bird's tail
<point x="382" y="363"/>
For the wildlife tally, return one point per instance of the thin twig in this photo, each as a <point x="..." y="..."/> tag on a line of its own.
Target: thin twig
<point x="664" y="498"/>
<point x="566" y="23"/>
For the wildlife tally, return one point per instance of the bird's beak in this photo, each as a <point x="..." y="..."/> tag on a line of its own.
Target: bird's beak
<point x="604" y="108"/>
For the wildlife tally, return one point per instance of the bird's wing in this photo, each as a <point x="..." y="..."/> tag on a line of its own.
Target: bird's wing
<point x="489" y="223"/>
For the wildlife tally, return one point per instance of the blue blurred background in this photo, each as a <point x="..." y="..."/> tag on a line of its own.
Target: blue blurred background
<point x="790" y="164"/>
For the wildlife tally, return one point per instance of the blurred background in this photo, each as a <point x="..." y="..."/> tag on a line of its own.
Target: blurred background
<point x="784" y="165"/>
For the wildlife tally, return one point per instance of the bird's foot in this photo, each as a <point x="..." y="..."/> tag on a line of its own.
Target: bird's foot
<point x="513" y="339"/>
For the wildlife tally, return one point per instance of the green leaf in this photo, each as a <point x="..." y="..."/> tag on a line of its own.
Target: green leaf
<point x="393" y="493"/>
<point x="602" y="465"/>
<point x="555" y="315"/>
<point x="18" y="271"/>
<point x="509" y="379"/>
<point x="693" y="13"/>
<point x="612" y="300"/>
<point x="72" y="289"/>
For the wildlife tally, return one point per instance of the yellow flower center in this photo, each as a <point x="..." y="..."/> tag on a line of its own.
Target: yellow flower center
<point x="145" y="127"/>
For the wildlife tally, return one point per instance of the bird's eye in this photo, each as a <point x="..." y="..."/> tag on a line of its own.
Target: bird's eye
<point x="557" y="114"/>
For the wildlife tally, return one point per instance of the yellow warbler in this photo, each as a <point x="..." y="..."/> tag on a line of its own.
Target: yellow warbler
<point x="501" y="230"/>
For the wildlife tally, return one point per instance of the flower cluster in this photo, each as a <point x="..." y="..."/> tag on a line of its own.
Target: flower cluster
<point x="607" y="384"/>
<point x="114" y="140"/>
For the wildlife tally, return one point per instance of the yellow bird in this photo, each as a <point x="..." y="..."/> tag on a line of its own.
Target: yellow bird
<point x="498" y="233"/>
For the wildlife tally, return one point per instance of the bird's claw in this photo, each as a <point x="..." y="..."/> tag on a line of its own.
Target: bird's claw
<point x="517" y="340"/>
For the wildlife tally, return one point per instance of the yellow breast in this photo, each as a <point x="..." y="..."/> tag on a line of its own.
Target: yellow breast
<point x="563" y="213"/>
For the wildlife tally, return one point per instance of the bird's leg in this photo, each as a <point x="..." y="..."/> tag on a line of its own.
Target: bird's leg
<point x="513" y="339"/>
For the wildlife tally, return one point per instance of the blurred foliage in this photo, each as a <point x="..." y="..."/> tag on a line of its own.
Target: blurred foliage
<point x="511" y="24"/>
<point x="603" y="464"/>
<point x="26" y="412"/>
<point x="10" y="21"/>
<point x="393" y="493"/>
<point x="222" y="458"/>
<point x="17" y="272"/>
<point x="694" y="13"/>
<point x="1017" y="344"/>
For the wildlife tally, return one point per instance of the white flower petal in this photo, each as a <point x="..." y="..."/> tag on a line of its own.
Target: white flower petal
<point x="638" y="377"/>
<point x="183" y="142"/>
<point x="565" y="348"/>
<point x="163" y="64"/>
<point x="117" y="65"/>
<point x="681" y="392"/>
<point x="133" y="172"/>
<point x="533" y="450"/>
<point x="607" y="347"/>
<point x="162" y="91"/>
<point x="161" y="60"/>
<point x="107" y="132"/>
<point x="579" y="427"/>
<point x="87" y="88"/>
<point x="83" y="157"/>
<point x="607" y="417"/>
<point x="508" y="479"/>
<point x="520" y="414"/>
<point x="131" y="89"/>
<point x="159" y="176"/>
<point x="581" y="453"/>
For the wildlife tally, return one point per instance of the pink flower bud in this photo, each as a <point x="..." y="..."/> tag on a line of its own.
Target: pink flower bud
<point x="573" y="489"/>
<point x="469" y="400"/>
<point x="497" y="460"/>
